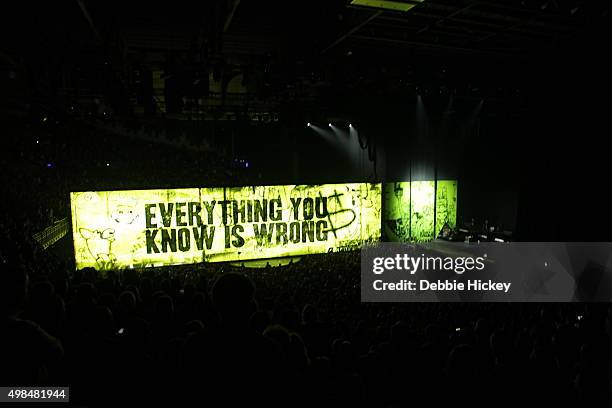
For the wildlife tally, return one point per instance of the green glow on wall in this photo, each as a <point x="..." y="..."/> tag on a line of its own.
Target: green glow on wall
<point x="409" y="209"/>
<point x="396" y="218"/>
<point x="422" y="208"/>
<point x="446" y="204"/>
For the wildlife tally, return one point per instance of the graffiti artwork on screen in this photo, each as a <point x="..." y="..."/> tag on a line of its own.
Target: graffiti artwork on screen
<point x="140" y="228"/>
<point x="446" y="204"/>
<point x="409" y="209"/>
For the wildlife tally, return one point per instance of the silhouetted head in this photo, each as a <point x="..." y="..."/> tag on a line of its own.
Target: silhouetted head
<point x="40" y="292"/>
<point x="102" y="322"/>
<point x="146" y="288"/>
<point x="279" y="334"/>
<point x="501" y="345"/>
<point x="190" y="291"/>
<point x="192" y="326"/>
<point x="298" y="354"/>
<point x="233" y="298"/>
<point x="127" y="301"/>
<point x="309" y="314"/>
<point x="343" y="353"/>
<point x="13" y="288"/>
<point x="482" y="329"/>
<point x="135" y="291"/>
<point x="164" y="306"/>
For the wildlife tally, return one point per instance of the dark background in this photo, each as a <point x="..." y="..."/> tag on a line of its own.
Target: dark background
<point x="509" y="97"/>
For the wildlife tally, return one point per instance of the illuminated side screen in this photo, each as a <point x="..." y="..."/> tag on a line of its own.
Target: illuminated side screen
<point x="409" y="209"/>
<point x="142" y="228"/>
<point x="422" y="208"/>
<point x="446" y="204"/>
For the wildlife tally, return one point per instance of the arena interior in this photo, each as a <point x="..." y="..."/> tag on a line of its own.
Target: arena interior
<point x="491" y="117"/>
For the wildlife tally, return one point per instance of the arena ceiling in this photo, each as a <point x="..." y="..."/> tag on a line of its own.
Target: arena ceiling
<point x="281" y="46"/>
<point x="506" y="27"/>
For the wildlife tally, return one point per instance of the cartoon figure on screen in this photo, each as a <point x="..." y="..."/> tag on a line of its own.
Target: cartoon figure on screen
<point x="124" y="214"/>
<point x="100" y="246"/>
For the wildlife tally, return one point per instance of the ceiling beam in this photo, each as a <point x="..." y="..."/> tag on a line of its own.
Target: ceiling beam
<point x="451" y="15"/>
<point x="499" y="16"/>
<point x="421" y="44"/>
<point x="567" y="19"/>
<point x="353" y="30"/>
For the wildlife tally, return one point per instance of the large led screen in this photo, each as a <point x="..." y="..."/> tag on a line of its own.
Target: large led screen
<point x="142" y="228"/>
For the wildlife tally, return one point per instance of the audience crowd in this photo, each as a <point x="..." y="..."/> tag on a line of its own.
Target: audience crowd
<point x="294" y="335"/>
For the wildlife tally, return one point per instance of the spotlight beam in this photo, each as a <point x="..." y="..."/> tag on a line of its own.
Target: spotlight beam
<point x="337" y="131"/>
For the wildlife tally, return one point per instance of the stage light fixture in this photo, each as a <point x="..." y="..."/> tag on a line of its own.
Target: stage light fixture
<point x="330" y="125"/>
<point x="308" y="124"/>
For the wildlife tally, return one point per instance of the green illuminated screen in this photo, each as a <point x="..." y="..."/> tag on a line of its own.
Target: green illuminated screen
<point x="142" y="228"/>
<point x="409" y="209"/>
